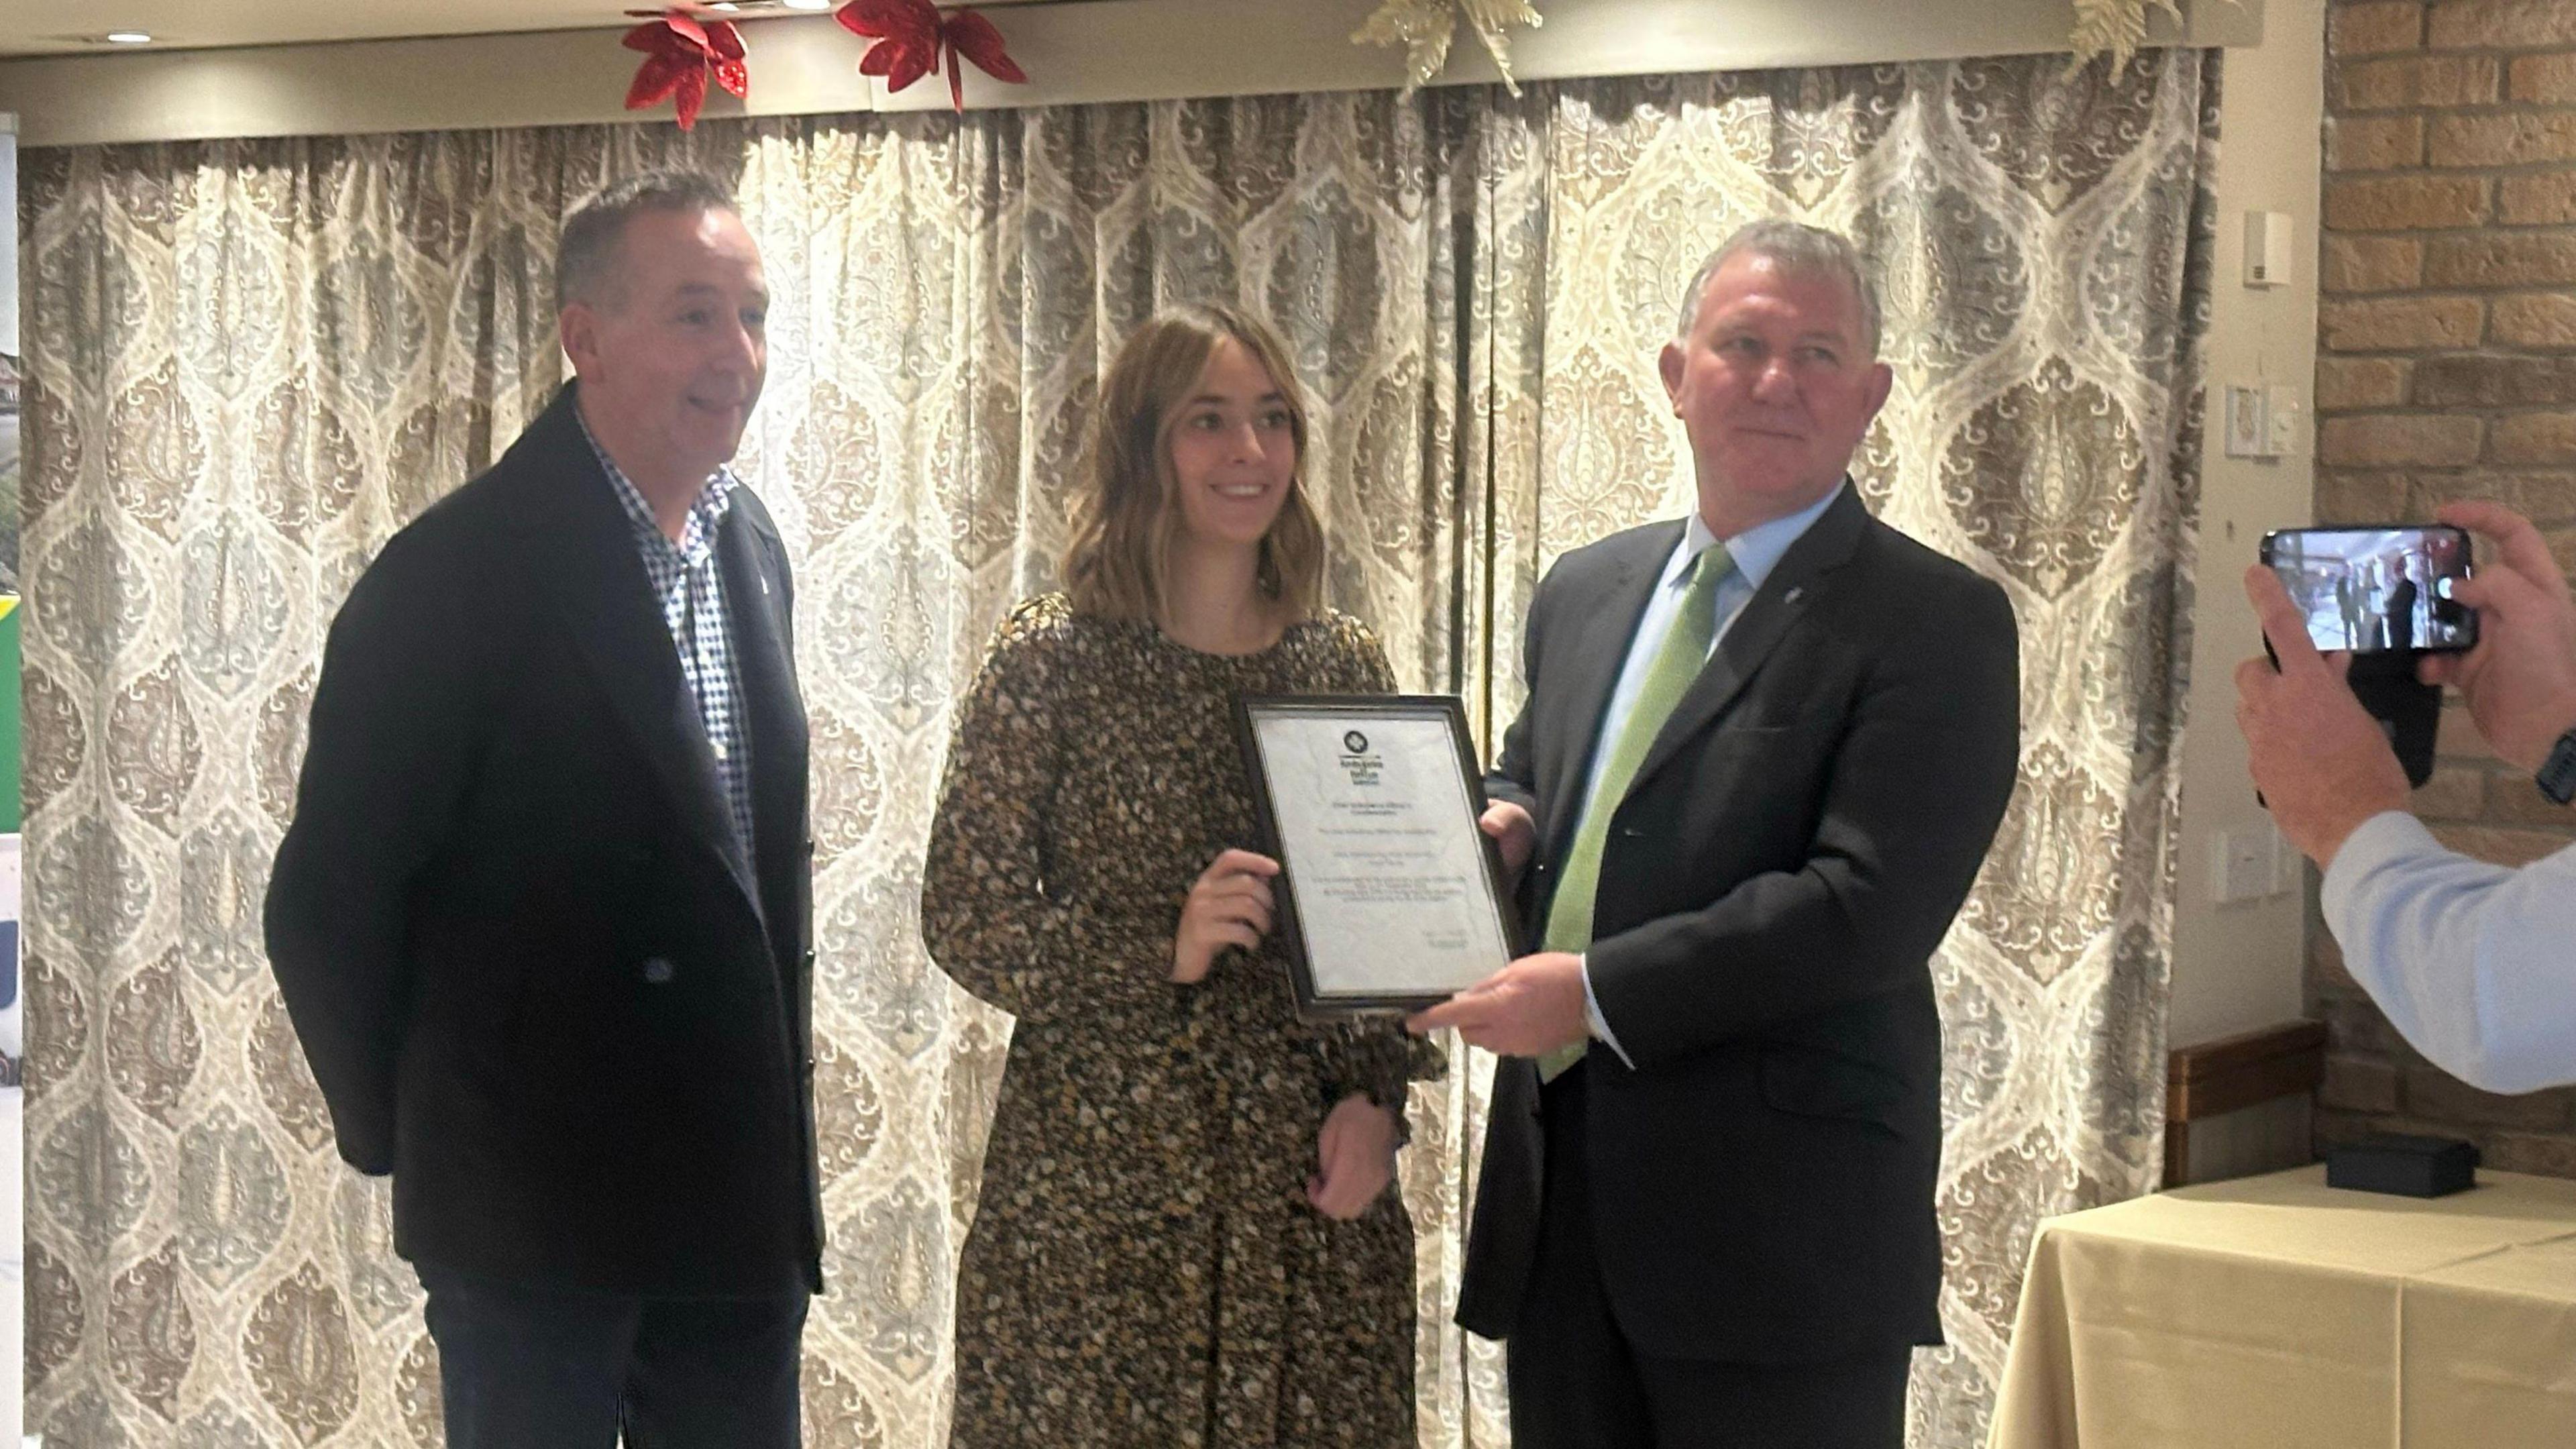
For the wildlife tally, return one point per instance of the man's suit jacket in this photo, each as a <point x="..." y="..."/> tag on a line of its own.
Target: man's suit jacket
<point x="1771" y="889"/>
<point x="2401" y="613"/>
<point x="537" y="977"/>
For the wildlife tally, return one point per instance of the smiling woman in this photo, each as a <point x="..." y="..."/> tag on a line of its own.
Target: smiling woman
<point x="1203" y="400"/>
<point x="1185" y="1220"/>
<point x="1234" y="457"/>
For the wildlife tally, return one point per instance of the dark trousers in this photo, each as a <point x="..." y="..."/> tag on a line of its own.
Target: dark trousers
<point x="1578" y="1383"/>
<point x="529" y="1368"/>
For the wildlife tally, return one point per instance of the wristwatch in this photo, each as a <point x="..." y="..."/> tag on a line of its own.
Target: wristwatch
<point x="2557" y="777"/>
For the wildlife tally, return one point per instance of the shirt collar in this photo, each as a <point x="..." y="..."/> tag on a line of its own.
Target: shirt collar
<point x="706" y="511"/>
<point x="1757" y="550"/>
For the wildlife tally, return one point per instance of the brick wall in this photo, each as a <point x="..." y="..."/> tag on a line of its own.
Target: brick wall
<point x="2447" y="369"/>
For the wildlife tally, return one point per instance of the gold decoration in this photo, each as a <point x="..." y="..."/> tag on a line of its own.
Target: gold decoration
<point x="2116" y="28"/>
<point x="1424" y="29"/>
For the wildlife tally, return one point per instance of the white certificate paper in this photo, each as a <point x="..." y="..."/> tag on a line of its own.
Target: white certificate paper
<point x="1376" y="827"/>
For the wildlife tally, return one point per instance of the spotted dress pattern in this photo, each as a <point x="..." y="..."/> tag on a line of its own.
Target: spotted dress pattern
<point x="1144" y="1268"/>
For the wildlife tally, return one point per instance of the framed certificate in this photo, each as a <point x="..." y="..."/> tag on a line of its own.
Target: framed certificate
<point x="1389" y="897"/>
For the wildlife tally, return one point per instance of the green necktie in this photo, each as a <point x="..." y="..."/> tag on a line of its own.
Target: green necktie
<point x="1678" y="661"/>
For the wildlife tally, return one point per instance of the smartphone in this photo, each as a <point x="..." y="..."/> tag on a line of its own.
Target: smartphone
<point x="2379" y="588"/>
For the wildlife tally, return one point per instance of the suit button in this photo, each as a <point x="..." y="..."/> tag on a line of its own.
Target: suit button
<point x="658" y="970"/>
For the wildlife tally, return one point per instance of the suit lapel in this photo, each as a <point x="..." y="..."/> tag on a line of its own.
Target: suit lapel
<point x="607" y="603"/>
<point x="755" y="601"/>
<point x="1606" y="625"/>
<point x="1789" y="590"/>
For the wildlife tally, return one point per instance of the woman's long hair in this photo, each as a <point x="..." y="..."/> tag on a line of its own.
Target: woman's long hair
<point x="1128" y="513"/>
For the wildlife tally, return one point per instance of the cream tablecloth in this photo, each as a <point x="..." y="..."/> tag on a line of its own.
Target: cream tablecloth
<point x="2281" y="1313"/>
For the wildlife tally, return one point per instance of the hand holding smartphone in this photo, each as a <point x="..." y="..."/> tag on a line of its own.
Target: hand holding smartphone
<point x="2377" y="589"/>
<point x="2382" y="593"/>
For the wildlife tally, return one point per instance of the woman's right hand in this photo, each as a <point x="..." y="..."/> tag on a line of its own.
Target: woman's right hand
<point x="1229" y="905"/>
<point x="1517" y="835"/>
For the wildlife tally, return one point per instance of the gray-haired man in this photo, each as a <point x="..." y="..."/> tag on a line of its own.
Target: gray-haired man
<point x="542" y="917"/>
<point x="1764" y="752"/>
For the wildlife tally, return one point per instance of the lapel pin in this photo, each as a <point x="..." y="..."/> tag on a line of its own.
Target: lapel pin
<point x="1791" y="597"/>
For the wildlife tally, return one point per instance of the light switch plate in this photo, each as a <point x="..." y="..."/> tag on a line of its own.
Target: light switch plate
<point x="2267" y="248"/>
<point x="2285" y="418"/>
<point x="2245" y="864"/>
<point x="2249" y="432"/>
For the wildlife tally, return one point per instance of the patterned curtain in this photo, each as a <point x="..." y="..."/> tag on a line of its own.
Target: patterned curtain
<point x="247" y="363"/>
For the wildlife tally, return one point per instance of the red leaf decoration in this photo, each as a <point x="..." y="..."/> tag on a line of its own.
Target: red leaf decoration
<point x="913" y="39"/>
<point x="906" y="34"/>
<point x="975" y="38"/>
<point x="681" y="53"/>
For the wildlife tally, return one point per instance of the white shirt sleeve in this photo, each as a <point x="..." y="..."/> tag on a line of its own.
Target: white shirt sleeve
<point x="2474" y="964"/>
<point x="1600" y="1024"/>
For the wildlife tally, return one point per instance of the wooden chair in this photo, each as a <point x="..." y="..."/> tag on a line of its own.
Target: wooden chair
<point x="2232" y="1073"/>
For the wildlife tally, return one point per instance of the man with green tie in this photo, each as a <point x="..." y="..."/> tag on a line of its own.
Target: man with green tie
<point x="1765" y="750"/>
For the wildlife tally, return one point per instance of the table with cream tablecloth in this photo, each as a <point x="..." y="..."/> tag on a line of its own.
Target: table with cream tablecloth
<point x="2278" y="1312"/>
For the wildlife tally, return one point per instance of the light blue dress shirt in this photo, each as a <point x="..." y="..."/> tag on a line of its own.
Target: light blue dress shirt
<point x="2474" y="964"/>
<point x="1756" y="552"/>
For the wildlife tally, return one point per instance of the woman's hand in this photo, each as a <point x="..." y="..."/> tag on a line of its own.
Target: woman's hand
<point x="1229" y="905"/>
<point x="1513" y="831"/>
<point x="1354" y="1158"/>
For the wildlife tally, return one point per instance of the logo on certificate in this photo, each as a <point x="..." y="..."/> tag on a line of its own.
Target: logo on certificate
<point x="1364" y="767"/>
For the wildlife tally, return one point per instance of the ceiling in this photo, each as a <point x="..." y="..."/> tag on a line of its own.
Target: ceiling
<point x="39" y="27"/>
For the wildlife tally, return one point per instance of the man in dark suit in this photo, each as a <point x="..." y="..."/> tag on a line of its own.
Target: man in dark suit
<point x="542" y="917"/>
<point x="2402" y="593"/>
<point x="2347" y="595"/>
<point x="1764" y="752"/>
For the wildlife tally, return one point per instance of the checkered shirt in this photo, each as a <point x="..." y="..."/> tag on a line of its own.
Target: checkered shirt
<point x="690" y="589"/>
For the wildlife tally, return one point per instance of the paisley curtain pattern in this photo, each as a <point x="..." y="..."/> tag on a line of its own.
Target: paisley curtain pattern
<point x="249" y="362"/>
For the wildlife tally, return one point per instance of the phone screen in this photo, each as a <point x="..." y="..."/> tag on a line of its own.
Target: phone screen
<point x="2374" y="589"/>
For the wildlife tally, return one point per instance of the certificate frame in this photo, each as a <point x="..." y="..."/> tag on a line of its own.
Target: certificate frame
<point x="1354" y="712"/>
